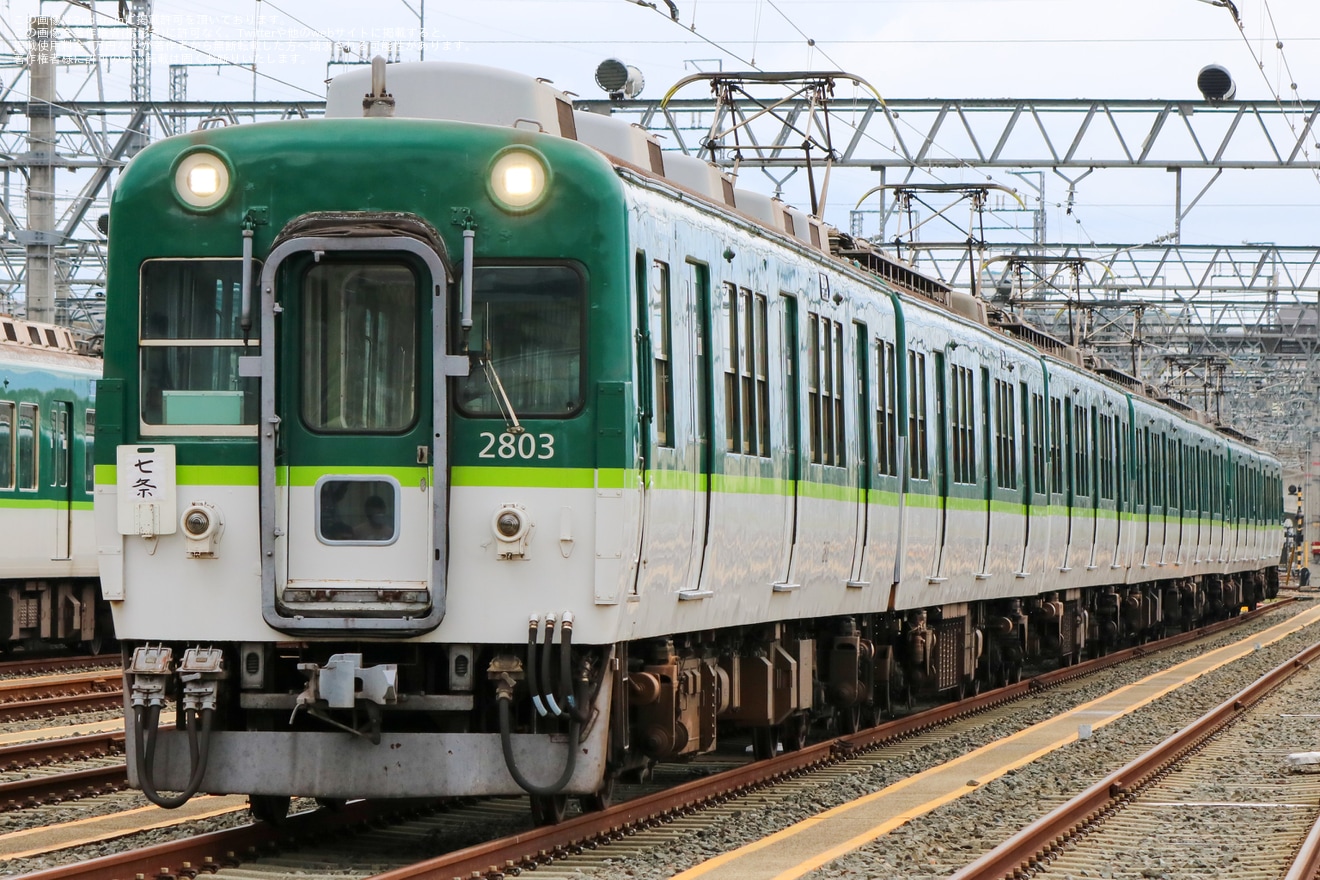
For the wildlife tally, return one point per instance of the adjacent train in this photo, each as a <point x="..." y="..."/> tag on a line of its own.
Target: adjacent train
<point x="48" y="573"/>
<point x="464" y="443"/>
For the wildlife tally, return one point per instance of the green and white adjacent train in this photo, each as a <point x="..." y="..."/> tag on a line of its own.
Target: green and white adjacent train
<point x="464" y="443"/>
<point x="48" y="589"/>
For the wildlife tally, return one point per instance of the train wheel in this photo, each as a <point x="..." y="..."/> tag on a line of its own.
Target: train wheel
<point x="602" y="799"/>
<point x="764" y="742"/>
<point x="548" y="809"/>
<point x="794" y="732"/>
<point x="269" y="808"/>
<point x="849" y="718"/>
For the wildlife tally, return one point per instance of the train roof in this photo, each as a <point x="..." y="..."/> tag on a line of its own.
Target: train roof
<point x="491" y="96"/>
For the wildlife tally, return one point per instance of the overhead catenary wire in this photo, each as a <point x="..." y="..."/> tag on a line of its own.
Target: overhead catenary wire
<point x="1260" y="66"/>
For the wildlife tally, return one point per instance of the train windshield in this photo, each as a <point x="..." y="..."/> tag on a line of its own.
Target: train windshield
<point x="190" y="343"/>
<point x="528" y="321"/>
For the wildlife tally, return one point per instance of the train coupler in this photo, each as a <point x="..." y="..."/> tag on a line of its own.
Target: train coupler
<point x="337" y="682"/>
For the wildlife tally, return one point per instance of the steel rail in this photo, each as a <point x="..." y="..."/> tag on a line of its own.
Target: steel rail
<point x="48" y="751"/>
<point x="53" y="664"/>
<point x="1306" y="863"/>
<point x="58" y="787"/>
<point x="70" y="704"/>
<point x="207" y="853"/>
<point x="1034" y="843"/>
<point x="26" y="689"/>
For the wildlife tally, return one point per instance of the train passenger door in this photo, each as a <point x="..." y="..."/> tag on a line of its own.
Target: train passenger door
<point x="353" y="378"/>
<point x="61" y="448"/>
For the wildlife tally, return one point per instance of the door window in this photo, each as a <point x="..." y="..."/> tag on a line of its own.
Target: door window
<point x="359" y="347"/>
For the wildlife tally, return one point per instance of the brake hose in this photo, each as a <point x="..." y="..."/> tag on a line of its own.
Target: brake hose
<point x="146" y="722"/>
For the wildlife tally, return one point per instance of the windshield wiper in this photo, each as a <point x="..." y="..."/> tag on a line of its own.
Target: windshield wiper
<point x="493" y="379"/>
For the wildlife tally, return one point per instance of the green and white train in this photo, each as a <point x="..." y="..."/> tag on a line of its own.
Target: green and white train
<point x="48" y="588"/>
<point x="459" y="426"/>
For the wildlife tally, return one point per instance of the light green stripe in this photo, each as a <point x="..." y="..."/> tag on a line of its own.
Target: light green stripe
<point x="539" y="478"/>
<point x="884" y="497"/>
<point x="41" y="504"/>
<point x="307" y="476"/>
<point x="849" y="494"/>
<point x="618" y="478"/>
<point x="740" y="485"/>
<point x="218" y="475"/>
<point x="106" y="474"/>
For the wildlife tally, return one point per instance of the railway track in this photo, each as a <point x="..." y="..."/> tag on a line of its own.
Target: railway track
<point x="1183" y="802"/>
<point x="49" y="696"/>
<point x="49" y="665"/>
<point x="29" y="790"/>
<point x="572" y="843"/>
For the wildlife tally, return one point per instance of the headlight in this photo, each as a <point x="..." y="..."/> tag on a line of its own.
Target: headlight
<point x="519" y="179"/>
<point x="201" y="179"/>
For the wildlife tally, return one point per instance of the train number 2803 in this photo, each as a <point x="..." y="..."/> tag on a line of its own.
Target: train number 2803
<point x="524" y="446"/>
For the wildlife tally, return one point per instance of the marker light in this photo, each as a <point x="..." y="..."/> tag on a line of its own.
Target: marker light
<point x="196" y="522"/>
<point x="201" y="179"/>
<point x="519" y="179"/>
<point x="510" y="523"/>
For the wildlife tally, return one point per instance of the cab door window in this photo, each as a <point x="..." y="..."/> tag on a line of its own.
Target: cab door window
<point x="359" y="349"/>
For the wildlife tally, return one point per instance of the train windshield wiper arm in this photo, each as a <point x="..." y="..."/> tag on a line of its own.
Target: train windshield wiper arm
<point x="501" y="399"/>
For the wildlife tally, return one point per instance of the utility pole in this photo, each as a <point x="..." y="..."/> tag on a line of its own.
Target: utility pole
<point x="40" y="236"/>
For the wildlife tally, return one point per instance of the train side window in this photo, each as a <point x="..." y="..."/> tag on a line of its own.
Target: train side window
<point x="89" y="451"/>
<point x="961" y="415"/>
<point x="918" y="461"/>
<point x="734" y="436"/>
<point x="1005" y="437"/>
<point x="6" y="445"/>
<point x="1038" y="442"/>
<point x="60" y="451"/>
<point x="11" y="334"/>
<point x="189" y="345"/>
<point x="746" y="374"/>
<point x="530" y="321"/>
<point x="661" y="342"/>
<point x="886" y="408"/>
<point x="1107" y="452"/>
<point x="1057" y="462"/>
<point x="27" y="446"/>
<point x="1081" y="453"/>
<point x="34" y="335"/>
<point x="825" y="390"/>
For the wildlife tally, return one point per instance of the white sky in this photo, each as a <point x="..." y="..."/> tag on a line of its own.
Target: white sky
<point x="906" y="48"/>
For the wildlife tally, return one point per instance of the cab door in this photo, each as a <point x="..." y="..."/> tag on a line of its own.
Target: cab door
<point x="351" y="505"/>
